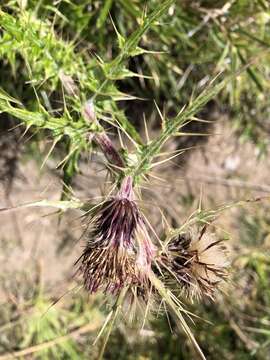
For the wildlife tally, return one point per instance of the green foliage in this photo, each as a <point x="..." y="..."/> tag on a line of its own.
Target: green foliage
<point x="198" y="42"/>
<point x="45" y="328"/>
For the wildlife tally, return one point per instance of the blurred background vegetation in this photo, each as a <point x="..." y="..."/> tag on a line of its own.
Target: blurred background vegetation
<point x="45" y="44"/>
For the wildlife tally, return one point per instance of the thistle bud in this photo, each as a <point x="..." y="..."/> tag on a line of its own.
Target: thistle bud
<point x="108" y="149"/>
<point x="101" y="138"/>
<point x="88" y="111"/>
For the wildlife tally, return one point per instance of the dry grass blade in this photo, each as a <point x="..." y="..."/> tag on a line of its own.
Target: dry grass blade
<point x="46" y="345"/>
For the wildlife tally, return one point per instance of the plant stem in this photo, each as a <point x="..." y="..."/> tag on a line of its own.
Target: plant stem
<point x="173" y="125"/>
<point x="116" y="309"/>
<point x="179" y="319"/>
<point x="153" y="148"/>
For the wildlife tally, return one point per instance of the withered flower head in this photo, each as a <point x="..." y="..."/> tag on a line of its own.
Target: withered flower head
<point x="109" y="260"/>
<point x="197" y="261"/>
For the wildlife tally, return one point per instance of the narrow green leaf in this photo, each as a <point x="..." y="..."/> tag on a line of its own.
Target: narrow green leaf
<point x="5" y="96"/>
<point x="104" y="13"/>
<point x="132" y="42"/>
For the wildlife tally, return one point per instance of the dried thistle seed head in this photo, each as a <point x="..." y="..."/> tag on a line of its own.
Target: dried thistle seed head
<point x="109" y="260"/>
<point x="197" y="261"/>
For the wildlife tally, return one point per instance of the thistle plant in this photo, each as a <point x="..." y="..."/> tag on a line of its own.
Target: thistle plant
<point x="122" y="255"/>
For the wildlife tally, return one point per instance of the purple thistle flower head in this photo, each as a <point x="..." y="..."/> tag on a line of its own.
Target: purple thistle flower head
<point x="110" y="258"/>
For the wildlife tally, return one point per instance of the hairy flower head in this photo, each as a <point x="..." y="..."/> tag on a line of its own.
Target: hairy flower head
<point x="197" y="261"/>
<point x="114" y="256"/>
